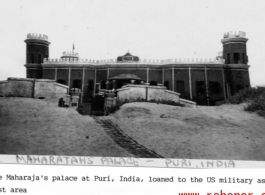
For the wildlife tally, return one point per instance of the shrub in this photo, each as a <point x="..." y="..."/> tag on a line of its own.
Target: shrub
<point x="244" y="95"/>
<point x="254" y="97"/>
<point x="257" y="105"/>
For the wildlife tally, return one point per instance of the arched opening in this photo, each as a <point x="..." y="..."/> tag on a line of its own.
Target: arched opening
<point x="153" y="83"/>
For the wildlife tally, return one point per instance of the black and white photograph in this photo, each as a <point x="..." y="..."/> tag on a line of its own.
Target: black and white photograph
<point x="139" y="79"/>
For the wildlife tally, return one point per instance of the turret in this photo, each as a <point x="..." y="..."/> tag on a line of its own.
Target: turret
<point x="235" y="48"/>
<point x="37" y="50"/>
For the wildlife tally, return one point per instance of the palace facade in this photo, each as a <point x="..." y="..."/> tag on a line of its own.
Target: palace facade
<point x="202" y="81"/>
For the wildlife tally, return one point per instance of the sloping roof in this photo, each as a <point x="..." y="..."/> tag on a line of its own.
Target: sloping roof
<point x="125" y="76"/>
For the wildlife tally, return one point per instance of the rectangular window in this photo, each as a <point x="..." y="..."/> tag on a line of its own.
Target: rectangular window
<point x="39" y="59"/>
<point x="243" y="58"/>
<point x="32" y="58"/>
<point x="228" y="58"/>
<point x="181" y="88"/>
<point x="236" y="58"/>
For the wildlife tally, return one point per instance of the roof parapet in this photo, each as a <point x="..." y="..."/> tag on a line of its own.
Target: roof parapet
<point x="145" y="61"/>
<point x="37" y="36"/>
<point x="233" y="34"/>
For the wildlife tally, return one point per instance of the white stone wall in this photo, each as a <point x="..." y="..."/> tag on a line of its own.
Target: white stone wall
<point x="20" y="87"/>
<point x="50" y="90"/>
<point x="16" y="87"/>
<point x="171" y="95"/>
<point x="4" y="88"/>
<point x="132" y="92"/>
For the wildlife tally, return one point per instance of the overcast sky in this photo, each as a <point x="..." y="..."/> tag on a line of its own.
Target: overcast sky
<point x="150" y="29"/>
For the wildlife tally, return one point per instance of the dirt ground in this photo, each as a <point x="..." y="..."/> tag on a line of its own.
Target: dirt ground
<point x="224" y="132"/>
<point x="32" y="126"/>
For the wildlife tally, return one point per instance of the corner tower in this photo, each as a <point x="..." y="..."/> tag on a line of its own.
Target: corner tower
<point x="235" y="48"/>
<point x="37" y="49"/>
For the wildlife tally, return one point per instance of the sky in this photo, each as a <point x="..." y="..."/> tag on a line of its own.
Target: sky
<point x="150" y="29"/>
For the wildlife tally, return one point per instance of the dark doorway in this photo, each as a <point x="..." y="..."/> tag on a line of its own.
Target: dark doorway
<point x="181" y="88"/>
<point x="201" y="93"/>
<point x="166" y="84"/>
<point x="214" y="87"/>
<point x="103" y="85"/>
<point x="90" y="88"/>
<point x="77" y="83"/>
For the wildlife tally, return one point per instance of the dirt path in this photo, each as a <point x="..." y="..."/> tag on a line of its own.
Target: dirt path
<point x="126" y="142"/>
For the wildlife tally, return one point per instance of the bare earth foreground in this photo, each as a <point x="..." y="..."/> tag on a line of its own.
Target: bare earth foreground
<point x="31" y="126"/>
<point x="224" y="132"/>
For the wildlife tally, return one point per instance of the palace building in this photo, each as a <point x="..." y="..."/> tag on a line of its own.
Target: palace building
<point x="202" y="81"/>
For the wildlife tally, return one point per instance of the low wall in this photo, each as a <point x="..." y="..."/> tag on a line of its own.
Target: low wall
<point x="33" y="88"/>
<point x="188" y="103"/>
<point x="50" y="90"/>
<point x="4" y="85"/>
<point x="131" y="93"/>
<point x="147" y="92"/>
<point x="17" y="87"/>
